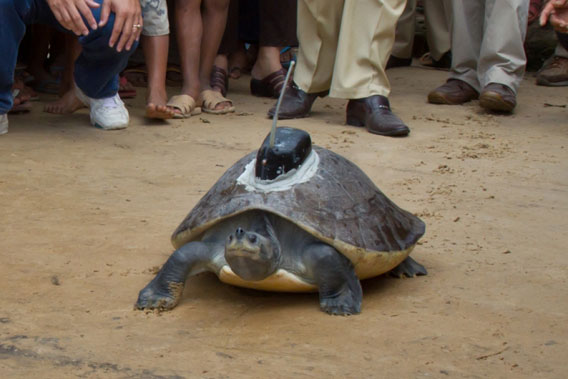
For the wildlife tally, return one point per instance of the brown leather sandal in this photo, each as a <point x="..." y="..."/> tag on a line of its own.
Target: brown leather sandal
<point x="219" y="80"/>
<point x="270" y="86"/>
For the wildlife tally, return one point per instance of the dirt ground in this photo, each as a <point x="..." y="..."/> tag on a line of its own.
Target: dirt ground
<point x="86" y="218"/>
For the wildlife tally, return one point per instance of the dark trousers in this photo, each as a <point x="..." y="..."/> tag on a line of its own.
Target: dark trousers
<point x="96" y="69"/>
<point x="266" y="22"/>
<point x="563" y="39"/>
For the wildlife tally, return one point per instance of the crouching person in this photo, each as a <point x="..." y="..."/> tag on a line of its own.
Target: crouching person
<point x="108" y="32"/>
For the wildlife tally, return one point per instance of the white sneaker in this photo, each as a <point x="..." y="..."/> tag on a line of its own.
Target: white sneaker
<point x="3" y="124"/>
<point x="108" y="113"/>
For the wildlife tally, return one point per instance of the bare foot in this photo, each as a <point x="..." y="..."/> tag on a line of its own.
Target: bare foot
<point x="69" y="103"/>
<point x="161" y="112"/>
<point x="238" y="63"/>
<point x="156" y="105"/>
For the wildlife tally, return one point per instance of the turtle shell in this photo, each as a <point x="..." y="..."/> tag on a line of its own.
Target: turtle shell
<point x="339" y="205"/>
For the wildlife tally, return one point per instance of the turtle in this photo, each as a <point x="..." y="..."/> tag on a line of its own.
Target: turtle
<point x="291" y="217"/>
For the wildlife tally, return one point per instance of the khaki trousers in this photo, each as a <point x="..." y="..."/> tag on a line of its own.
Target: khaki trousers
<point x="345" y="45"/>
<point x="437" y="17"/>
<point x="487" y="42"/>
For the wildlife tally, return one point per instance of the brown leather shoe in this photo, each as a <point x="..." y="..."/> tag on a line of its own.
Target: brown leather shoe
<point x="296" y="103"/>
<point x="375" y="114"/>
<point x="498" y="97"/>
<point x="554" y="72"/>
<point x="454" y="92"/>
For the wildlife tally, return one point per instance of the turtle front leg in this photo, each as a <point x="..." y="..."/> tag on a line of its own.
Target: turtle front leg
<point x="339" y="288"/>
<point x="165" y="290"/>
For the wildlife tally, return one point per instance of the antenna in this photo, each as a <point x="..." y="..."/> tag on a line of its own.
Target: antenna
<point x="275" y="118"/>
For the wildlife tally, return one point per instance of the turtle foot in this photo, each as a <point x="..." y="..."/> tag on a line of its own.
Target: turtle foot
<point x="153" y="297"/>
<point x="409" y="268"/>
<point x="345" y="303"/>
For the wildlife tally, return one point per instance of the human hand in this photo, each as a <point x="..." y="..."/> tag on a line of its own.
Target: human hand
<point x="555" y="11"/>
<point x="127" y="22"/>
<point x="68" y="13"/>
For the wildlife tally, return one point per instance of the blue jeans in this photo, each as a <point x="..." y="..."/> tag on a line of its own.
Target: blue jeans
<point x="96" y="69"/>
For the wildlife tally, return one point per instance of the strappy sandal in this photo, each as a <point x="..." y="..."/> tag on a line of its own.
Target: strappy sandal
<point x="219" y="80"/>
<point x="270" y="86"/>
<point x="186" y="106"/>
<point x="209" y="99"/>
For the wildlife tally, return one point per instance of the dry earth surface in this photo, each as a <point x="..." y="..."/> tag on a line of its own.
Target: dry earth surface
<point x="86" y="217"/>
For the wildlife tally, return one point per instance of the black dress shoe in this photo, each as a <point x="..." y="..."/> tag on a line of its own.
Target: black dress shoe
<point x="394" y="62"/>
<point x="296" y="103"/>
<point x="375" y="114"/>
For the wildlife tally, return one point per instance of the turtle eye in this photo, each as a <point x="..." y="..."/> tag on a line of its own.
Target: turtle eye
<point x="230" y="238"/>
<point x="252" y="238"/>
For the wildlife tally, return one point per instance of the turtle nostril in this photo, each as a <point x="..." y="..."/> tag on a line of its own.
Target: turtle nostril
<point x="239" y="232"/>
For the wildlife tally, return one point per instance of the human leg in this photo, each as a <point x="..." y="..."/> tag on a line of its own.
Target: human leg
<point x="277" y="30"/>
<point x="404" y="36"/>
<point x="438" y="17"/>
<point x="69" y="102"/>
<point x="189" y="28"/>
<point x="318" y="33"/>
<point x="359" y="69"/>
<point x="155" y="44"/>
<point x="467" y="33"/>
<point x="13" y="15"/>
<point x="502" y="55"/>
<point x="214" y="21"/>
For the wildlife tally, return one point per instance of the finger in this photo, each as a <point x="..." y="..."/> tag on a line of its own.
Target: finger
<point x="92" y="4"/>
<point x="127" y="32"/>
<point x="67" y="22"/>
<point x="105" y="13"/>
<point x="117" y="30"/>
<point x="85" y="10"/>
<point x="135" y="34"/>
<point x="77" y="21"/>
<point x="545" y="14"/>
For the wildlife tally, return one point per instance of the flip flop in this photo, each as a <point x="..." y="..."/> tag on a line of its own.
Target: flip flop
<point x="186" y="106"/>
<point x="209" y="99"/>
<point x="22" y="107"/>
<point x="125" y="89"/>
<point x="136" y="75"/>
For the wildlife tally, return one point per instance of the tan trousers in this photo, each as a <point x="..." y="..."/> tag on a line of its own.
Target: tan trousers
<point x="487" y="42"/>
<point x="345" y="45"/>
<point x="437" y="17"/>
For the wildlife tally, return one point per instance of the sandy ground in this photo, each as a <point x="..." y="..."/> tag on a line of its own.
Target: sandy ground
<point x="86" y="218"/>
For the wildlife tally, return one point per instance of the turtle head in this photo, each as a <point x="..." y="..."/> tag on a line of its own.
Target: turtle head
<point x="252" y="255"/>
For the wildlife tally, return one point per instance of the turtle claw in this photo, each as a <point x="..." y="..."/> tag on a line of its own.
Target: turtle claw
<point x="151" y="297"/>
<point x="408" y="268"/>
<point x="345" y="303"/>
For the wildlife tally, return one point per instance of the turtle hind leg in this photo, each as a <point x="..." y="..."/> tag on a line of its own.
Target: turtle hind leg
<point x="409" y="268"/>
<point x="165" y="290"/>
<point x="339" y="288"/>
